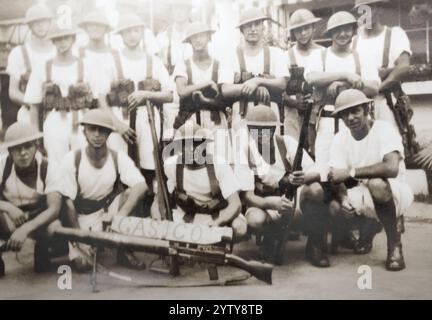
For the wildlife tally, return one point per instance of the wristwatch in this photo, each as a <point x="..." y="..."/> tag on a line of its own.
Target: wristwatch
<point x="352" y="173"/>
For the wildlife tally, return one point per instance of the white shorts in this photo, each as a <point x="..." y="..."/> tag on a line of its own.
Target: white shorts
<point x="361" y="199"/>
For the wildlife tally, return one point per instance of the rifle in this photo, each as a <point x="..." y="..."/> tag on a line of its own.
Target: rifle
<point x="204" y="254"/>
<point x="162" y="194"/>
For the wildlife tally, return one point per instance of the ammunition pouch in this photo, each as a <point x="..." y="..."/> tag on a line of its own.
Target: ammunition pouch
<point x="120" y="91"/>
<point x="52" y="98"/>
<point x="22" y="85"/>
<point x="150" y="85"/>
<point x="80" y="96"/>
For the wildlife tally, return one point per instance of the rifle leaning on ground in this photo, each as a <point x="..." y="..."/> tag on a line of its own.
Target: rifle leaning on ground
<point x="197" y="253"/>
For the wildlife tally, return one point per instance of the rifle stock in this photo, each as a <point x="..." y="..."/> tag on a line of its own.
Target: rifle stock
<point x="259" y="270"/>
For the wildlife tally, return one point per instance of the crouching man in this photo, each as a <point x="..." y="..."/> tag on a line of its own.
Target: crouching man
<point x="205" y="188"/>
<point x="29" y="204"/>
<point x="264" y="168"/>
<point x="95" y="179"/>
<point x="368" y="158"/>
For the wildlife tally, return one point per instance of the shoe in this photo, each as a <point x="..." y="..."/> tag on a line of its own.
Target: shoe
<point x="395" y="259"/>
<point x="129" y="260"/>
<point x="2" y="267"/>
<point x="368" y="230"/>
<point x="364" y="248"/>
<point x="41" y="257"/>
<point x="315" y="254"/>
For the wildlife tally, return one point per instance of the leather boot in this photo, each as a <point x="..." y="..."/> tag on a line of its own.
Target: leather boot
<point x="2" y="267"/>
<point x="368" y="229"/>
<point x="400" y="224"/>
<point x="315" y="253"/>
<point x="41" y="257"/>
<point x="395" y="259"/>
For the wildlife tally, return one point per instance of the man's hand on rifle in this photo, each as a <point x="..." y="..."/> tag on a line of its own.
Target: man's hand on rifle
<point x="249" y="88"/>
<point x="279" y="203"/>
<point x="137" y="98"/>
<point x="338" y="175"/>
<point x="213" y="86"/>
<point x="334" y="89"/>
<point x="355" y="80"/>
<point x="297" y="178"/>
<point x="126" y="132"/>
<point x="263" y="95"/>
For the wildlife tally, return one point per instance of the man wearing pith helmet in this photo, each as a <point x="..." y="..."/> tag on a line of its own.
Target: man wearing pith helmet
<point x="254" y="73"/>
<point x="343" y="69"/>
<point x="204" y="186"/>
<point x="264" y="169"/>
<point x="98" y="183"/>
<point x="308" y="55"/>
<point x="373" y="182"/>
<point x="29" y="201"/>
<point x="387" y="47"/>
<point x="32" y="55"/>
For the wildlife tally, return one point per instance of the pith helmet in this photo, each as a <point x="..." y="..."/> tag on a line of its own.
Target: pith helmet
<point x="38" y="12"/>
<point x="192" y="131"/>
<point x="301" y="18"/>
<point x="350" y="98"/>
<point x="127" y="21"/>
<point x="95" y="17"/>
<point x="251" y="15"/>
<point x="197" y="28"/>
<point x="339" y="19"/>
<point x="20" y="133"/>
<point x="358" y="3"/>
<point x="56" y="32"/>
<point x="261" y="115"/>
<point x="98" y="118"/>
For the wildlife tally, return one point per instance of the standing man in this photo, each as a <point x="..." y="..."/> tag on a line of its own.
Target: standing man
<point x="381" y="190"/>
<point x="29" y="198"/>
<point x="58" y="96"/>
<point x="388" y="49"/>
<point x="199" y="76"/>
<point x="93" y="184"/>
<point x="257" y="73"/>
<point x="149" y="81"/>
<point x="343" y="69"/>
<point x="26" y="58"/>
<point x="264" y="169"/>
<point x="308" y="55"/>
<point x="205" y="188"/>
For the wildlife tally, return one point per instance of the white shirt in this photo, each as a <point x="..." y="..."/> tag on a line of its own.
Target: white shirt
<point x="373" y="47"/>
<point x="382" y="139"/>
<point x="179" y="50"/>
<point x="312" y="61"/>
<point x="19" y="194"/>
<point x="269" y="174"/>
<point x="63" y="76"/>
<point x="198" y="75"/>
<point x="255" y="65"/>
<point x="196" y="183"/>
<point x="16" y="66"/>
<point x="95" y="184"/>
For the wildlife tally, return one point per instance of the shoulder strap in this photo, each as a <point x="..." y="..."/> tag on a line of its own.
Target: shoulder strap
<point x="179" y="176"/>
<point x="77" y="165"/>
<point x="241" y="59"/>
<point x="6" y="173"/>
<point x="387" y="43"/>
<point x="189" y="71"/>
<point x="26" y="58"/>
<point x="169" y="33"/>
<point x="48" y="69"/>
<point x="215" y="72"/>
<point x="292" y="58"/>
<point x="357" y="62"/>
<point x="149" y="66"/>
<point x="118" y="64"/>
<point x="80" y="70"/>
<point x="114" y="155"/>
<point x="283" y="152"/>
<point x="43" y="171"/>
<point x="214" y="182"/>
<point x="267" y="60"/>
<point x="324" y="58"/>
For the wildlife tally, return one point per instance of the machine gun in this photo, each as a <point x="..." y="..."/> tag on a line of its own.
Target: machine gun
<point x="212" y="247"/>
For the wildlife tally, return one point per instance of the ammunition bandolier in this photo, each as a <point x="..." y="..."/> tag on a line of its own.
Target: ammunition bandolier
<point x="189" y="105"/>
<point x="25" y="77"/>
<point x="244" y="76"/>
<point x="189" y="205"/>
<point x="402" y="109"/>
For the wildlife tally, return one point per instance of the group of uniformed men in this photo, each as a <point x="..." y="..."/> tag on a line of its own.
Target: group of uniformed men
<point x="238" y="113"/>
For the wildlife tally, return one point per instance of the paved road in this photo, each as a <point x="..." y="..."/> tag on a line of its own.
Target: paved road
<point x="296" y="279"/>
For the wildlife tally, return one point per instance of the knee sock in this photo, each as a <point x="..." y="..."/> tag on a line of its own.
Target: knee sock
<point x="386" y="212"/>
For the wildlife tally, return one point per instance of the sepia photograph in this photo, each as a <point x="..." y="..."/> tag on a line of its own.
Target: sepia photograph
<point x="232" y="151"/>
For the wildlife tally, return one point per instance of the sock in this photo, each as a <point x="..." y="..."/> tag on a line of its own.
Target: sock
<point x="386" y="212"/>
